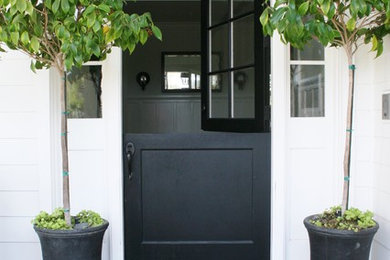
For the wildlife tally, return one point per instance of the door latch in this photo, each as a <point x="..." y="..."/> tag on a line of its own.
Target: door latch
<point x="130" y="151"/>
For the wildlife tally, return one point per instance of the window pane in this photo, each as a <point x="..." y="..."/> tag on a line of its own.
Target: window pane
<point x="242" y="6"/>
<point x="84" y="92"/>
<point x="219" y="95"/>
<point x="220" y="47"/>
<point x="307" y="90"/>
<point x="244" y="93"/>
<point x="312" y="51"/>
<point x="219" y="11"/>
<point x="243" y="41"/>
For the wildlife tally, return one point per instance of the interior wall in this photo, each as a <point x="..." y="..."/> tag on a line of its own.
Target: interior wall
<point x="150" y="110"/>
<point x="154" y="111"/>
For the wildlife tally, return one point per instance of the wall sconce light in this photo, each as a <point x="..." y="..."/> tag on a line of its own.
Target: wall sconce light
<point x="240" y="79"/>
<point x="143" y="79"/>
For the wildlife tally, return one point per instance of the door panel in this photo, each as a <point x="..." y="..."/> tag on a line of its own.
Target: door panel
<point x="198" y="196"/>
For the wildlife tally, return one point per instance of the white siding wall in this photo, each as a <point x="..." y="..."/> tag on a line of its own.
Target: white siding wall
<point x="30" y="161"/>
<point x="24" y="155"/>
<point x="308" y="152"/>
<point x="372" y="165"/>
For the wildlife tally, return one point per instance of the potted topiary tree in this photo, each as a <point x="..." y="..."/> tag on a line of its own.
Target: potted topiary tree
<point x="339" y="233"/>
<point x="61" y="34"/>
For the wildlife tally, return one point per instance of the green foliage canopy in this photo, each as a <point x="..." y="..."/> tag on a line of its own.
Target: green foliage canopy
<point x="64" y="33"/>
<point x="338" y="23"/>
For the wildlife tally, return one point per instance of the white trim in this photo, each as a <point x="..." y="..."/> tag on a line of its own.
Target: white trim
<point x="112" y="114"/>
<point x="279" y="99"/>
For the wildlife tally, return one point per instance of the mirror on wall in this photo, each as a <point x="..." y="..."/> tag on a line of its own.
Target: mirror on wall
<point x="182" y="70"/>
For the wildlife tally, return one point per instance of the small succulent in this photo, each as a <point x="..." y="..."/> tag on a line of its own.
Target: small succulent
<point x="88" y="216"/>
<point x="56" y="220"/>
<point x="352" y="219"/>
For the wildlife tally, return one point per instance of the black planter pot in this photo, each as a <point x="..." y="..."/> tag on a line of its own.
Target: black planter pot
<point x="333" y="244"/>
<point x="82" y="244"/>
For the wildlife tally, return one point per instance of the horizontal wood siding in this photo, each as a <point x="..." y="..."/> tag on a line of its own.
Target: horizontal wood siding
<point x="24" y="155"/>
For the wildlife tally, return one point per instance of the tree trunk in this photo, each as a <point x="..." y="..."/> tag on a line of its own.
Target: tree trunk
<point x="348" y="134"/>
<point x="64" y="150"/>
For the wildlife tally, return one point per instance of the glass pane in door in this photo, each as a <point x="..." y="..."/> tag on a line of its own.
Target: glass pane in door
<point x="219" y="11"/>
<point x="243" y="41"/>
<point x="219" y="48"/>
<point x="242" y="6"/>
<point x="244" y="93"/>
<point x="219" y="95"/>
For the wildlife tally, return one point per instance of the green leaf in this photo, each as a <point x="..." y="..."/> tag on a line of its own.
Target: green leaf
<point x="325" y="7"/>
<point x="91" y="20"/>
<point x="131" y="47"/>
<point x="32" y="66"/>
<point x="96" y="27"/>
<point x="279" y="2"/>
<point x="374" y="42"/>
<point x="48" y="3"/>
<point x="25" y="38"/>
<point x="303" y="8"/>
<point x="35" y="44"/>
<point x="96" y="50"/>
<point x="15" y="38"/>
<point x="55" y="6"/>
<point x="60" y="31"/>
<point x="379" y="49"/>
<point x="79" y="59"/>
<point x="104" y="8"/>
<point x="65" y="6"/>
<point x="143" y="37"/>
<point x="89" y="10"/>
<point x="157" y="33"/>
<point x="351" y="24"/>
<point x="21" y="5"/>
<point x="29" y="8"/>
<point x="277" y="15"/>
<point x="68" y="63"/>
<point x="264" y="17"/>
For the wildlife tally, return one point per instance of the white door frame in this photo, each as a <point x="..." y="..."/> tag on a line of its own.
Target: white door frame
<point x="112" y="112"/>
<point x="279" y="115"/>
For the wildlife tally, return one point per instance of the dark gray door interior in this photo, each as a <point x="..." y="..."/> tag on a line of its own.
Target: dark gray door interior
<point x="198" y="196"/>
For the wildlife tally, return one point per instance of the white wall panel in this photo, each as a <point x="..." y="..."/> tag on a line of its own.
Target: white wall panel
<point x="17" y="230"/>
<point x="20" y="251"/>
<point x="19" y="203"/>
<point x="373" y="147"/>
<point x="19" y="151"/>
<point x="18" y="125"/>
<point x="20" y="98"/>
<point x="19" y="178"/>
<point x="25" y="184"/>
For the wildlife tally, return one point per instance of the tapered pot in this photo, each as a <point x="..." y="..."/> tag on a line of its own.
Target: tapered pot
<point x="76" y="244"/>
<point x="334" y="244"/>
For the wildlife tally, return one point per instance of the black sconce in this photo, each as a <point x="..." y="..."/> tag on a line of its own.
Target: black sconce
<point x="143" y="79"/>
<point x="240" y="79"/>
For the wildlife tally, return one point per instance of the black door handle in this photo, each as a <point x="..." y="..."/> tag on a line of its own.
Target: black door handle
<point x="130" y="151"/>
